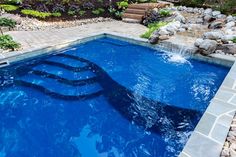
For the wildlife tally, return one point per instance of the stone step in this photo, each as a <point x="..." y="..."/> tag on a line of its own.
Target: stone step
<point x="128" y="20"/>
<point x="135" y="11"/>
<point x="133" y="16"/>
<point x="137" y="6"/>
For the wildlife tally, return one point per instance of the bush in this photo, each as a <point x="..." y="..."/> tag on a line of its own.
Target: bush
<point x="98" y="11"/>
<point x="82" y="12"/>
<point x="5" y="22"/>
<point x="7" y="42"/>
<point x="56" y="14"/>
<point x="151" y="17"/>
<point x="122" y="5"/>
<point x="12" y="1"/>
<point x="151" y="28"/>
<point x="8" y="8"/>
<point x="234" y="40"/>
<point x="164" y="12"/>
<point x="37" y="14"/>
<point x="88" y="5"/>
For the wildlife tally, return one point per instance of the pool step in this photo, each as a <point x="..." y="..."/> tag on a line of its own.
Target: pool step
<point x="68" y="61"/>
<point x="60" y="90"/>
<point x="63" y="73"/>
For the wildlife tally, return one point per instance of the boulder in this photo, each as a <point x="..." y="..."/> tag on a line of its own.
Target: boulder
<point x="205" y="46"/>
<point x="198" y="42"/>
<point x="180" y="18"/>
<point x="216" y="24"/>
<point x="227" y="48"/>
<point x="154" y="38"/>
<point x="220" y="16"/>
<point x="227" y="38"/>
<point x="229" y="18"/>
<point x="163" y="31"/>
<point x="215" y="13"/>
<point x="208" y="18"/>
<point x="216" y="35"/>
<point x="208" y="12"/>
<point x="164" y="37"/>
<point x="230" y="24"/>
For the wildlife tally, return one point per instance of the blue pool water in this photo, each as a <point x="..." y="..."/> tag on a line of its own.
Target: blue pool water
<point x="103" y="98"/>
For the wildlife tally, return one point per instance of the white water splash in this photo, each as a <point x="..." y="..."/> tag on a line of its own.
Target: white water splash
<point x="177" y="58"/>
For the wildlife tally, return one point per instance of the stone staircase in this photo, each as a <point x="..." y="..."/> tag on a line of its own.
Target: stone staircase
<point x="135" y="12"/>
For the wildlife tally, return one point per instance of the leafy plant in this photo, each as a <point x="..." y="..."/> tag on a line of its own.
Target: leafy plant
<point x="119" y="14"/>
<point x="58" y="8"/>
<point x="12" y="1"/>
<point x="56" y="14"/>
<point x="233" y="14"/>
<point x="164" y="12"/>
<point x="7" y="42"/>
<point x="151" y="28"/>
<point x="88" y="5"/>
<point x="35" y="13"/>
<point x="8" y="8"/>
<point x="82" y="12"/>
<point x="98" y="11"/>
<point x="123" y="4"/>
<point x="5" y="22"/>
<point x="234" y="40"/>
<point x="71" y="13"/>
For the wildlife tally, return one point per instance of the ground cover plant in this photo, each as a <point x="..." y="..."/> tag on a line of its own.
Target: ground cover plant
<point x="151" y="28"/>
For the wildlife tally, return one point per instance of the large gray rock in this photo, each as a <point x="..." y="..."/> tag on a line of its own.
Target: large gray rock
<point x="230" y="24"/>
<point x="227" y="48"/>
<point x="163" y="31"/>
<point x="216" y="35"/>
<point x="216" y="24"/>
<point x="215" y="13"/>
<point x="154" y="38"/>
<point x="228" y="37"/>
<point x="208" y="18"/>
<point x="208" y="11"/>
<point x="180" y="18"/>
<point x="229" y="18"/>
<point x="206" y="46"/>
<point x="198" y="42"/>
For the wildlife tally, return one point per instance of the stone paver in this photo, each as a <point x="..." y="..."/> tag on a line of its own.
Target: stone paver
<point x="37" y="39"/>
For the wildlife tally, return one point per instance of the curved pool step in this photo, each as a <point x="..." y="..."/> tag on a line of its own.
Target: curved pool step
<point x="64" y="91"/>
<point x="68" y="61"/>
<point x="54" y="71"/>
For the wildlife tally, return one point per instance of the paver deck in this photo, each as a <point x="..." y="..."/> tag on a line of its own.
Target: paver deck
<point x="37" y="39"/>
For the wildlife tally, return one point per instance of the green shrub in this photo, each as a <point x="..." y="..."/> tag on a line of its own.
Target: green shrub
<point x="56" y="14"/>
<point x="82" y="12"/>
<point x="164" y="12"/>
<point x="12" y="1"/>
<point x="8" y="8"/>
<point x="35" y="13"/>
<point x="233" y="14"/>
<point x="119" y="14"/>
<point x="7" y="42"/>
<point x="123" y="4"/>
<point x="5" y="22"/>
<point x="151" y="28"/>
<point x="234" y="40"/>
<point x="98" y="11"/>
<point x="71" y="12"/>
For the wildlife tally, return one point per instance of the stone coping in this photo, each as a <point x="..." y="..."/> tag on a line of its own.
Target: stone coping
<point x="209" y="135"/>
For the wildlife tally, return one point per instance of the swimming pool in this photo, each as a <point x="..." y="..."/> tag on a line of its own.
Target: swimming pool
<point x="104" y="98"/>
